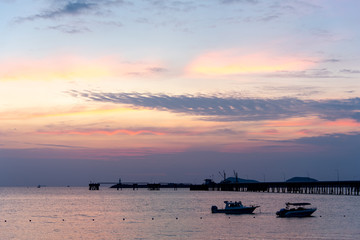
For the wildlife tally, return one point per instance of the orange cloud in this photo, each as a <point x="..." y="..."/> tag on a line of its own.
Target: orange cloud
<point x="266" y="132"/>
<point x="312" y="127"/>
<point x="104" y="132"/>
<point x="234" y="62"/>
<point x="84" y="111"/>
<point x="293" y="122"/>
<point x="78" y="111"/>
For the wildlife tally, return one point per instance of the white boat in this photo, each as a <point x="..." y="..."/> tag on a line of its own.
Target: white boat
<point x="296" y="210"/>
<point x="234" y="208"/>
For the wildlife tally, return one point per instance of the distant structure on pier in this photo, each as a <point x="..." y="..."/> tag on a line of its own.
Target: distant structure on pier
<point x="238" y="180"/>
<point x="301" y="179"/>
<point x="136" y="185"/>
<point x="94" y="186"/>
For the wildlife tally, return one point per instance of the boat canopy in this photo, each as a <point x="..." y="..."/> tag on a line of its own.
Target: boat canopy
<point x="298" y="204"/>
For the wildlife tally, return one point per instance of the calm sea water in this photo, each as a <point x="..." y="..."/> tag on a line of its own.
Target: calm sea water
<point x="77" y="213"/>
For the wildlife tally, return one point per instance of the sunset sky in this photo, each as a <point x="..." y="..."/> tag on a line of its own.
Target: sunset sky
<point x="176" y="91"/>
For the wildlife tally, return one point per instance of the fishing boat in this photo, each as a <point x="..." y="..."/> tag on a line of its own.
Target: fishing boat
<point x="296" y="210"/>
<point x="234" y="208"/>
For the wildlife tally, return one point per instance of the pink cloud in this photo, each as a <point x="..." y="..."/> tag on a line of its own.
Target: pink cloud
<point x="266" y="132"/>
<point x="293" y="123"/>
<point x="306" y="132"/>
<point x="270" y="131"/>
<point x="237" y="62"/>
<point x="72" y="67"/>
<point x="104" y="132"/>
<point x="343" y="123"/>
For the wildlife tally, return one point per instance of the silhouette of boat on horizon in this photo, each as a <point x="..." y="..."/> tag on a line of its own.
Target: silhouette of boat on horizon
<point x="234" y="208"/>
<point x="296" y="210"/>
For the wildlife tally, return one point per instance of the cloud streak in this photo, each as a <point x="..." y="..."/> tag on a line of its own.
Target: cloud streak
<point x="70" y="8"/>
<point x="228" y="108"/>
<point x="308" y="73"/>
<point x="103" y="132"/>
<point x="74" y="67"/>
<point x="69" y="29"/>
<point x="238" y="61"/>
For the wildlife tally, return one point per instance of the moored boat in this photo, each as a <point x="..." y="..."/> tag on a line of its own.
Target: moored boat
<point x="234" y="208"/>
<point x="296" y="210"/>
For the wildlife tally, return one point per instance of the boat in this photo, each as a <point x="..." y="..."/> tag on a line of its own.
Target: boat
<point x="234" y="208"/>
<point x="296" y="210"/>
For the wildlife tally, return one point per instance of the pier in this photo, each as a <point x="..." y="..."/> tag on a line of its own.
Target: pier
<point x="319" y="187"/>
<point x="137" y="185"/>
<point x="96" y="186"/>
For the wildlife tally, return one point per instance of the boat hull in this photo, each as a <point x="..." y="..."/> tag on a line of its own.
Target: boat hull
<point x="296" y="213"/>
<point x="244" y="210"/>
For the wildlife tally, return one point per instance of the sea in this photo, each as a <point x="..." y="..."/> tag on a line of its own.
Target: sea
<point x="77" y="213"/>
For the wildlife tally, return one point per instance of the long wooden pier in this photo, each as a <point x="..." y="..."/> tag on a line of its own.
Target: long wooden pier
<point x="136" y="186"/>
<point x="319" y="187"/>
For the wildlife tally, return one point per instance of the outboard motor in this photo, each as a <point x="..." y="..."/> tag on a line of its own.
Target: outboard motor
<point x="281" y="212"/>
<point x="214" y="209"/>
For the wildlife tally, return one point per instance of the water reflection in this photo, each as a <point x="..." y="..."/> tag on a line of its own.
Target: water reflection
<point x="76" y="213"/>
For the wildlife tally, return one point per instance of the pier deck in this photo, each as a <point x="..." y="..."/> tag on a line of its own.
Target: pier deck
<point x="136" y="186"/>
<point x="320" y="187"/>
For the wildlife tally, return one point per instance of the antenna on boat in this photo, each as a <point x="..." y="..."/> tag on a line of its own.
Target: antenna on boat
<point x="236" y="176"/>
<point x="223" y="175"/>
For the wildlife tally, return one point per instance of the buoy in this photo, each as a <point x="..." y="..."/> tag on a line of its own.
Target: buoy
<point x="5" y="220"/>
<point x="30" y="220"/>
<point x="176" y="218"/>
<point x="152" y="218"/>
<point x="200" y="217"/>
<point x="93" y="219"/>
<point x="63" y="220"/>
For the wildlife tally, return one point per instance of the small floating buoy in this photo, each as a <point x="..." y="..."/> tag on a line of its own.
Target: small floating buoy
<point x="229" y="217"/>
<point x="152" y="218"/>
<point x="320" y="215"/>
<point x="93" y="219"/>
<point x="5" y="220"/>
<point x="123" y="219"/>
<point x="30" y="220"/>
<point x="200" y="217"/>
<point x="254" y="217"/>
<point x="344" y="215"/>
<point x="176" y="218"/>
<point x="63" y="220"/>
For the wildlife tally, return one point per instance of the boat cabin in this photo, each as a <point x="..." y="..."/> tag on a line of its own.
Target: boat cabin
<point x="233" y="204"/>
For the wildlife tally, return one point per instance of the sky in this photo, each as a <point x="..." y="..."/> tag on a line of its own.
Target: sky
<point x="178" y="90"/>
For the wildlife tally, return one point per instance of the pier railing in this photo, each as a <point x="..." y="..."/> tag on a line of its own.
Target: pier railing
<point x="320" y="187"/>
